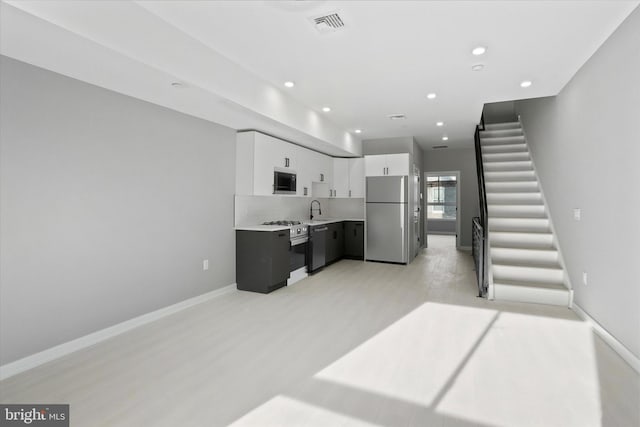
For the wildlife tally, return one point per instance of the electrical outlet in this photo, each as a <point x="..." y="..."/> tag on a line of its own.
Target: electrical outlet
<point x="205" y="265"/>
<point x="577" y="214"/>
<point x="584" y="278"/>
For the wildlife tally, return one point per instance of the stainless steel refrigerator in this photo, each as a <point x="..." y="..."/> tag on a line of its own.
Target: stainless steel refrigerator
<point x="387" y="219"/>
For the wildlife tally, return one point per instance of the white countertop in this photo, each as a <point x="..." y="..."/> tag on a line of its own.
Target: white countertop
<point x="262" y="227"/>
<point x="320" y="221"/>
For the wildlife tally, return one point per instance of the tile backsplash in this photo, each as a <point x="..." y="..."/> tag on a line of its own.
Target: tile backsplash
<point x="252" y="210"/>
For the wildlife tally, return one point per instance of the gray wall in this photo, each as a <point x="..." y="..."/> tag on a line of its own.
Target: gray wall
<point x="397" y="145"/>
<point x="463" y="160"/>
<point x="108" y="207"/>
<point x="499" y="112"/>
<point x="586" y="147"/>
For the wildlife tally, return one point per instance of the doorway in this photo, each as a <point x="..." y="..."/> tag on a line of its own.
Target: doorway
<point x="441" y="204"/>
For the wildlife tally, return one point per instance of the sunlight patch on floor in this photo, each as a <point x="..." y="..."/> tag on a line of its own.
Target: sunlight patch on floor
<point x="414" y="357"/>
<point x="529" y="370"/>
<point x="286" y="411"/>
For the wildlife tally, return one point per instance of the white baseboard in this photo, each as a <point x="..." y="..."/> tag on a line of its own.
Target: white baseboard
<point x="297" y="275"/>
<point x="37" y="359"/>
<point x="612" y="341"/>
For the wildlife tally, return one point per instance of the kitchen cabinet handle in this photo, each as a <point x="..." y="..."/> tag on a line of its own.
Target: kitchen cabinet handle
<point x="349" y="193"/>
<point x="321" y="177"/>
<point x="286" y="162"/>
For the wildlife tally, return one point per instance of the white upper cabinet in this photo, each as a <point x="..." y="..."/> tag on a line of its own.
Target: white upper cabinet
<point x="356" y="177"/>
<point x="257" y="155"/>
<point x="340" y="186"/>
<point x="398" y="164"/>
<point x="387" y="164"/>
<point x="348" y="178"/>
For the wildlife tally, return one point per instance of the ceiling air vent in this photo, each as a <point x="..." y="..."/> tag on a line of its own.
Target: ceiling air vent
<point x="437" y="147"/>
<point x="328" y="23"/>
<point x="397" y="116"/>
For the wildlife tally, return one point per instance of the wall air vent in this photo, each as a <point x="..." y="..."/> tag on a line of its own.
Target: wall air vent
<point x="328" y="23"/>
<point x="438" y="147"/>
<point x="397" y="116"/>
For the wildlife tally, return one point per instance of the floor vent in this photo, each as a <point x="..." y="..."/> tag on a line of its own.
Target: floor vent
<point x="328" y="23"/>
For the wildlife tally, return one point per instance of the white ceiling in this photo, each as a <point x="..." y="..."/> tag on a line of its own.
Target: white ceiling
<point x="387" y="58"/>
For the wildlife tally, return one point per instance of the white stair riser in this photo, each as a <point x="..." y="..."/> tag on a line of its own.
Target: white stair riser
<point x="506" y="148"/>
<point x="507" y="273"/>
<point x="501" y="140"/>
<point x="506" y="157"/>
<point x="498" y="126"/>
<point x="516" y="211"/>
<point x="507" y="166"/>
<point x="500" y="132"/>
<point x="525" y="257"/>
<point x="533" y="225"/>
<point x="514" y="198"/>
<point x="527" y="175"/>
<point x="505" y="292"/>
<point x="521" y="240"/>
<point x="512" y="187"/>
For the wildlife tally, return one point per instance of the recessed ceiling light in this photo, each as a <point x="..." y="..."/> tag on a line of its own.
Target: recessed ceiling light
<point x="431" y="95"/>
<point x="480" y="50"/>
<point x="177" y="85"/>
<point x="289" y="84"/>
<point x="477" y="67"/>
<point x="358" y="131"/>
<point x="439" y="123"/>
<point x="326" y="109"/>
<point x="525" y="83"/>
<point x="445" y="138"/>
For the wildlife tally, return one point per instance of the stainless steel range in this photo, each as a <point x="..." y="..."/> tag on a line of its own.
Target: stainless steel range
<point x="298" y="238"/>
<point x="298" y="231"/>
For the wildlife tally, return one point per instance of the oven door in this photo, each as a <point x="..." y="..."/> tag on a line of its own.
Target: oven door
<point x="298" y="253"/>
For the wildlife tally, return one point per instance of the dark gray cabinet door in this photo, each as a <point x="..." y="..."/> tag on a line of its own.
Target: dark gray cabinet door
<point x="354" y="239"/>
<point x="335" y="241"/>
<point x="262" y="260"/>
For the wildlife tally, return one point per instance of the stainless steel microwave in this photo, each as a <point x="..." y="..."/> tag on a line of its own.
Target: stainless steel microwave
<point x="284" y="181"/>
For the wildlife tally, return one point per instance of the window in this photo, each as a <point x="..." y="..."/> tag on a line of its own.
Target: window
<point x="442" y="193"/>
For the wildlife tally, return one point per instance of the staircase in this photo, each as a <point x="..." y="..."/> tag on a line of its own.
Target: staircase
<point x="525" y="264"/>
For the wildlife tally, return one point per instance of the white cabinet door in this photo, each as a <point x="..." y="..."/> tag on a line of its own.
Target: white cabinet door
<point x="375" y="165"/>
<point x="270" y="153"/>
<point x="264" y="161"/>
<point x="304" y="162"/>
<point x="356" y="177"/>
<point x="340" y="177"/>
<point x="322" y="169"/>
<point x="398" y="164"/>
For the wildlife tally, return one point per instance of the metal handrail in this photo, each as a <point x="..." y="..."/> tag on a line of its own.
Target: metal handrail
<point x="481" y="226"/>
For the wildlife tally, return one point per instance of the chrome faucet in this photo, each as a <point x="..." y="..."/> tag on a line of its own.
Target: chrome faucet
<point x="311" y="209"/>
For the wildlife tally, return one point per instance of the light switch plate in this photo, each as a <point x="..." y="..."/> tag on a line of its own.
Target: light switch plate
<point x="205" y="265"/>
<point x="584" y="278"/>
<point x="577" y="214"/>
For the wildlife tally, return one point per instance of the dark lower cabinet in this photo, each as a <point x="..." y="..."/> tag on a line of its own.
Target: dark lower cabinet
<point x="262" y="260"/>
<point x="354" y="239"/>
<point x="334" y="242"/>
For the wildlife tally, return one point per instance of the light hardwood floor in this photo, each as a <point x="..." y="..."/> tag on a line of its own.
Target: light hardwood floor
<point x="358" y="344"/>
